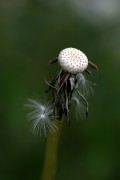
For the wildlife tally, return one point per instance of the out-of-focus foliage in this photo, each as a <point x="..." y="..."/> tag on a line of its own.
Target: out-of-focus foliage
<point x="31" y="33"/>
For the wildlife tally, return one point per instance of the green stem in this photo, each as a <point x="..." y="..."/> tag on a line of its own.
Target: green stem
<point x="51" y="153"/>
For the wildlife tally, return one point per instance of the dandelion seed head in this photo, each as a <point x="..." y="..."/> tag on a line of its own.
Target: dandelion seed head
<point x="72" y="60"/>
<point x="40" y="117"/>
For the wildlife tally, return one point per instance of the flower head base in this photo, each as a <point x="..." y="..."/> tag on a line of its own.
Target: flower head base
<point x="72" y="60"/>
<point x="41" y="117"/>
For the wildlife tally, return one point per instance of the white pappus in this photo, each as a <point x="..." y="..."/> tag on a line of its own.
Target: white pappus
<point x="40" y="117"/>
<point x="84" y="85"/>
<point x="79" y="106"/>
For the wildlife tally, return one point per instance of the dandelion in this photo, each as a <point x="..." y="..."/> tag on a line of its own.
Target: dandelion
<point x="72" y="62"/>
<point x="41" y="117"/>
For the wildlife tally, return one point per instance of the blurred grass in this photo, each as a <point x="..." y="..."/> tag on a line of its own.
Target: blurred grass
<point x="32" y="33"/>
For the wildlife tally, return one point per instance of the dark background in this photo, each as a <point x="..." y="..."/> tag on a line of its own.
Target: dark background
<point x="31" y="33"/>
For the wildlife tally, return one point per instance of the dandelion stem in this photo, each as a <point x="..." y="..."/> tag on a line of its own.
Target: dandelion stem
<point x="51" y="153"/>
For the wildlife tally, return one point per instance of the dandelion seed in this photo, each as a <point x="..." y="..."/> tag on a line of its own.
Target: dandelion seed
<point x="41" y="117"/>
<point x="85" y="86"/>
<point x="80" y="109"/>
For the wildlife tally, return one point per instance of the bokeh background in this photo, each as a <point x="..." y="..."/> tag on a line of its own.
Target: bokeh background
<point x="31" y="33"/>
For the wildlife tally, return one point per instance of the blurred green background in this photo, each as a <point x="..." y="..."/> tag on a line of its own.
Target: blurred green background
<point x="31" y="33"/>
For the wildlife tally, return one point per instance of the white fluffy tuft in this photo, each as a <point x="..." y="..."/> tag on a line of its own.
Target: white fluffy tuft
<point x="85" y="86"/>
<point x="41" y="117"/>
<point x="80" y="109"/>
